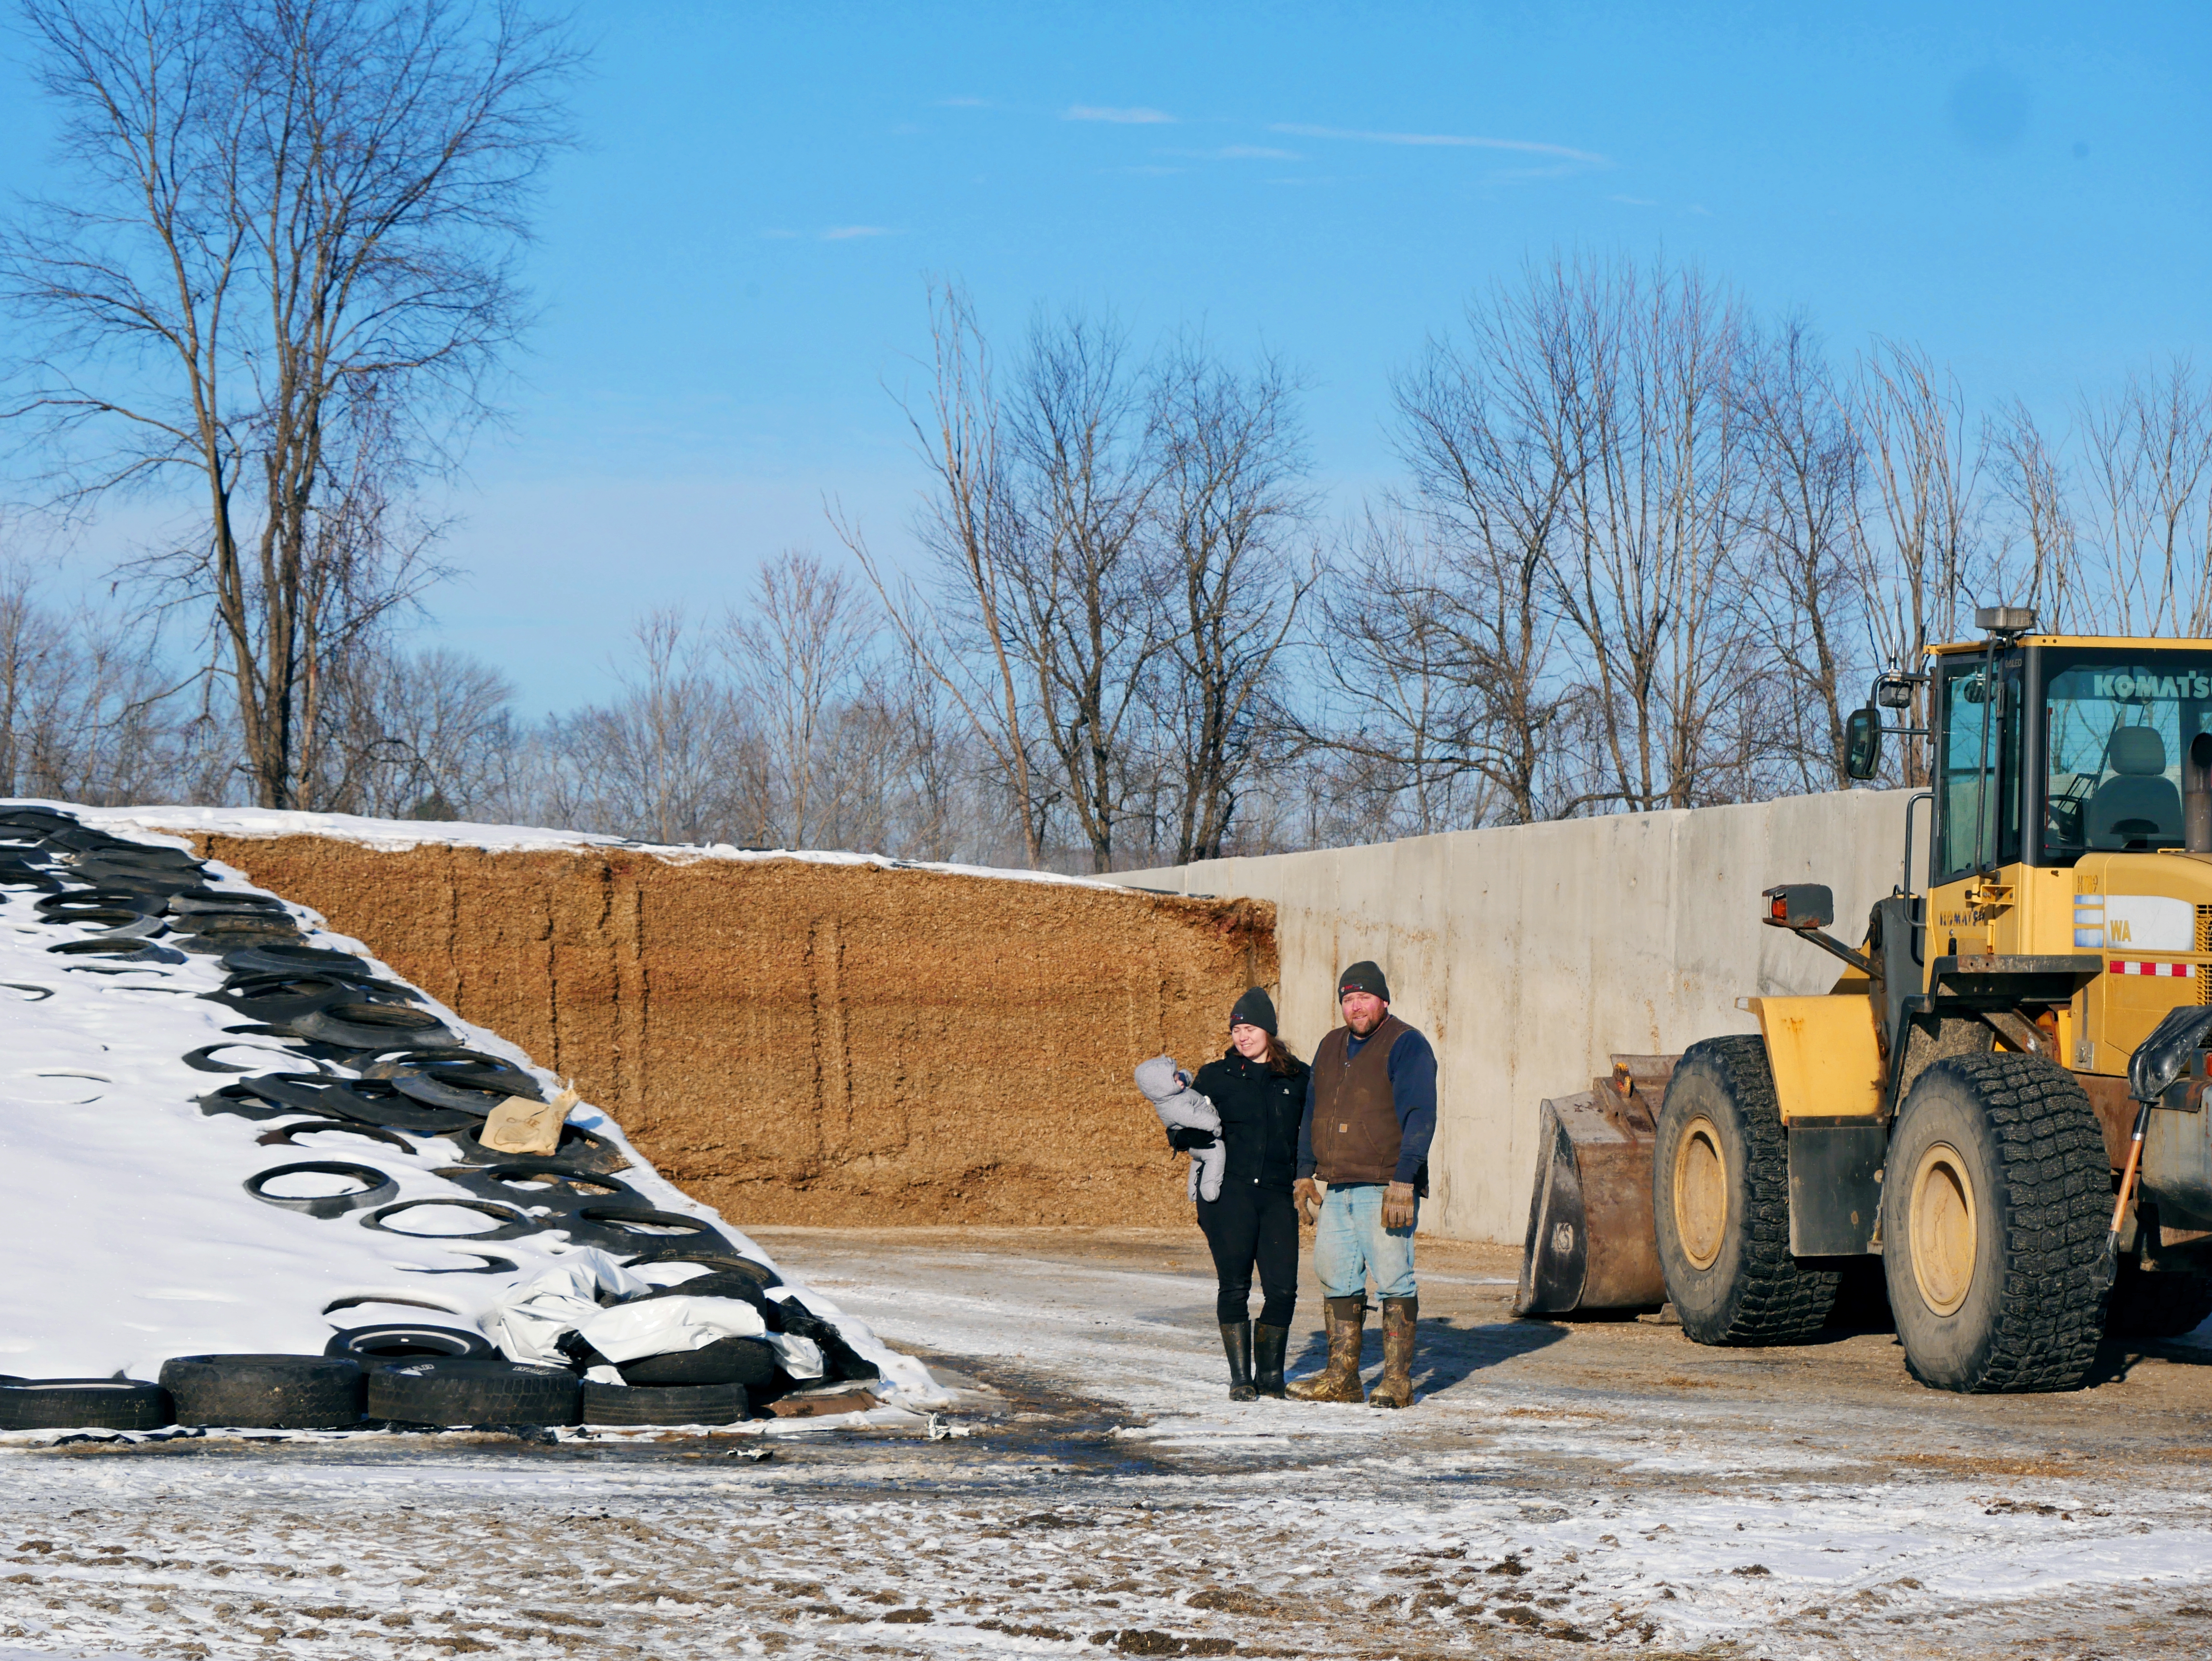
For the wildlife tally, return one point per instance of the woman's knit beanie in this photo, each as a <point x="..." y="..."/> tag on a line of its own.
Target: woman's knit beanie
<point x="1254" y="1008"/>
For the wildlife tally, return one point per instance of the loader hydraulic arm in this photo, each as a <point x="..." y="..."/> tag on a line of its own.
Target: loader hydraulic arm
<point x="1805" y="909"/>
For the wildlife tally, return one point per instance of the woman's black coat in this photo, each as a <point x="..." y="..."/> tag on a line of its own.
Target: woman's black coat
<point x="1260" y="1113"/>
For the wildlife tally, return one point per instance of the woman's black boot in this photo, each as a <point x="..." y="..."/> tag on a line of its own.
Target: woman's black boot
<point x="1237" y="1340"/>
<point x="1268" y="1344"/>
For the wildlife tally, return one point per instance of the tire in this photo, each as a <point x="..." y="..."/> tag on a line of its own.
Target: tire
<point x="437" y="1092"/>
<point x="226" y="906"/>
<point x="2164" y="1306"/>
<point x="716" y="1283"/>
<point x="376" y="1190"/>
<point x="373" y="1025"/>
<point x="561" y="1187"/>
<point x="409" y="1341"/>
<point x="717" y="1262"/>
<point x="83" y="1404"/>
<point x="286" y="1136"/>
<point x="479" y="1391"/>
<point x="370" y="1101"/>
<point x="724" y="1361"/>
<point x="1720" y="1198"/>
<point x="264" y="1392"/>
<point x="665" y="1404"/>
<point x="617" y="1227"/>
<point x="1995" y="1201"/>
<point x="294" y="960"/>
<point x="512" y="1225"/>
<point x="583" y="1151"/>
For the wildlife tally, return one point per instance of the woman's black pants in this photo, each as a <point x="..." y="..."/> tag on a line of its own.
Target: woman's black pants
<point x="1251" y="1226"/>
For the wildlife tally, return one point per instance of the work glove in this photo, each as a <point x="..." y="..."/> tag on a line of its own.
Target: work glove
<point x="1398" y="1206"/>
<point x="1188" y="1138"/>
<point x="1306" y="1193"/>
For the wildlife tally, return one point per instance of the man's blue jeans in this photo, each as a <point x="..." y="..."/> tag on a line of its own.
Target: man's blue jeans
<point x="1350" y="1243"/>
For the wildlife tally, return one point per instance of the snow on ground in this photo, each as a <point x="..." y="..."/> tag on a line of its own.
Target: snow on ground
<point x="1644" y="1497"/>
<point x="134" y="1238"/>
<point x="394" y="835"/>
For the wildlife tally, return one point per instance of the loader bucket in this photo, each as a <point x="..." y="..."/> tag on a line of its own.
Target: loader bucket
<point x="1590" y="1243"/>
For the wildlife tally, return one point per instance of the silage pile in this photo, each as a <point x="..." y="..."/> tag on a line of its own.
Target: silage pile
<point x="225" y="1131"/>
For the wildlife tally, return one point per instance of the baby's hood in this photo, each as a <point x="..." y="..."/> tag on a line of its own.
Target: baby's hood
<point x="1157" y="1078"/>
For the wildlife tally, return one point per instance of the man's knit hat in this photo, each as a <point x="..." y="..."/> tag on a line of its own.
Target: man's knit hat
<point x="1363" y="976"/>
<point x="1254" y="1008"/>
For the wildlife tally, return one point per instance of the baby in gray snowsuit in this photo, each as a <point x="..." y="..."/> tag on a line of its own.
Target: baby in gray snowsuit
<point x="1167" y="1087"/>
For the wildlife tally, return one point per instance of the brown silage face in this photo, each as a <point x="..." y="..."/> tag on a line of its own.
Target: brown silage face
<point x="804" y="1044"/>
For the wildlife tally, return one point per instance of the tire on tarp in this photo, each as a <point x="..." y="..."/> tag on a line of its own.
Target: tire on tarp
<point x="387" y="1342"/>
<point x="665" y="1404"/>
<point x="264" y="1392"/>
<point x="473" y="1390"/>
<point x="736" y="1360"/>
<point x="373" y="1025"/>
<point x="83" y="1404"/>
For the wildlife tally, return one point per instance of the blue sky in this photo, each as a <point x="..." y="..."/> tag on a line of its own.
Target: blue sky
<point x="733" y="268"/>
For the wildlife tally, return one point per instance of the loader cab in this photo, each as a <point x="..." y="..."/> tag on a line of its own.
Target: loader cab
<point x="2064" y="773"/>
<point x="2083" y="747"/>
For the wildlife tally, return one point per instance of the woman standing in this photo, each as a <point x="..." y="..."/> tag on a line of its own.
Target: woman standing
<point x="1259" y="1088"/>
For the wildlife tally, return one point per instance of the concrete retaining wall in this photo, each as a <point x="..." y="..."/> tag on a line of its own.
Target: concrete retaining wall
<point x="1529" y="954"/>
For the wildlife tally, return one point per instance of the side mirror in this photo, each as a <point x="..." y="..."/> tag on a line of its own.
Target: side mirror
<point x="1862" y="743"/>
<point x="1801" y="906"/>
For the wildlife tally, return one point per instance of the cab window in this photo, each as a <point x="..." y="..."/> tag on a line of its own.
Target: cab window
<point x="2116" y="727"/>
<point x="1978" y="772"/>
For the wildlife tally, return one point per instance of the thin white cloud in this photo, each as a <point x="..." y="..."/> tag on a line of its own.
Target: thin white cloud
<point x="1444" y="140"/>
<point x="848" y="233"/>
<point x="1129" y="117"/>
<point x="1633" y="200"/>
<point x="1239" y="153"/>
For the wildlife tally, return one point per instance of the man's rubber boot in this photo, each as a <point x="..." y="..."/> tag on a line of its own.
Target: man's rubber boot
<point x="1237" y="1340"/>
<point x="1395" y="1389"/>
<point x="1268" y="1344"/>
<point x="1339" y="1380"/>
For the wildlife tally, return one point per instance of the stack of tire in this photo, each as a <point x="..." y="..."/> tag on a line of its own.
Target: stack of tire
<point x="407" y="1079"/>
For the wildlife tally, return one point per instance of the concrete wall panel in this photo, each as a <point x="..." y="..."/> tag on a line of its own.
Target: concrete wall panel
<point x="1529" y="954"/>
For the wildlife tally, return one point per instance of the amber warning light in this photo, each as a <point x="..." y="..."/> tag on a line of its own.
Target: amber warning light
<point x="1801" y="906"/>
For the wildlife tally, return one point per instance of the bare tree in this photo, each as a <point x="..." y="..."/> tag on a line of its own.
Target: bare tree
<point x="415" y="735"/>
<point x="1229" y="500"/>
<point x="1080" y="618"/>
<point x="967" y="526"/>
<point x="2034" y="483"/>
<point x="285" y="276"/>
<point x="1807" y="470"/>
<point x="671" y="760"/>
<point x="798" y="659"/>
<point x="1916" y="560"/>
<point x="2148" y="462"/>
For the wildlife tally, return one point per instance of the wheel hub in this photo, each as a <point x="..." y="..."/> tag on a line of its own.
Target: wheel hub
<point x="1701" y="1194"/>
<point x="1942" y="1217"/>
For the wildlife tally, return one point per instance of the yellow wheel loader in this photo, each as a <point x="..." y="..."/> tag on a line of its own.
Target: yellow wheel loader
<point x="1961" y="1106"/>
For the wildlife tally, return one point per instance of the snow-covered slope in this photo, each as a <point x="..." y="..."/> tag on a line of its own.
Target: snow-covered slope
<point x="125" y="1232"/>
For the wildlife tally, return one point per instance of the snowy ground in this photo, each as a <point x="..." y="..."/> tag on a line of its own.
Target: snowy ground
<point x="1558" y="1487"/>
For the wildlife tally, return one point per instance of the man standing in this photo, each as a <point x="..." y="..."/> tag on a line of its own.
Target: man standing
<point x="1370" y="1115"/>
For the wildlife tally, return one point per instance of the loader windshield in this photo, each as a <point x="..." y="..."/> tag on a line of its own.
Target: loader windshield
<point x="2115" y="726"/>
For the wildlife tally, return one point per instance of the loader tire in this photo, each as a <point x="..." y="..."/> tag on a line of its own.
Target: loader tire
<point x="1720" y="1199"/>
<point x="2163" y="1306"/>
<point x="1994" y="1210"/>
